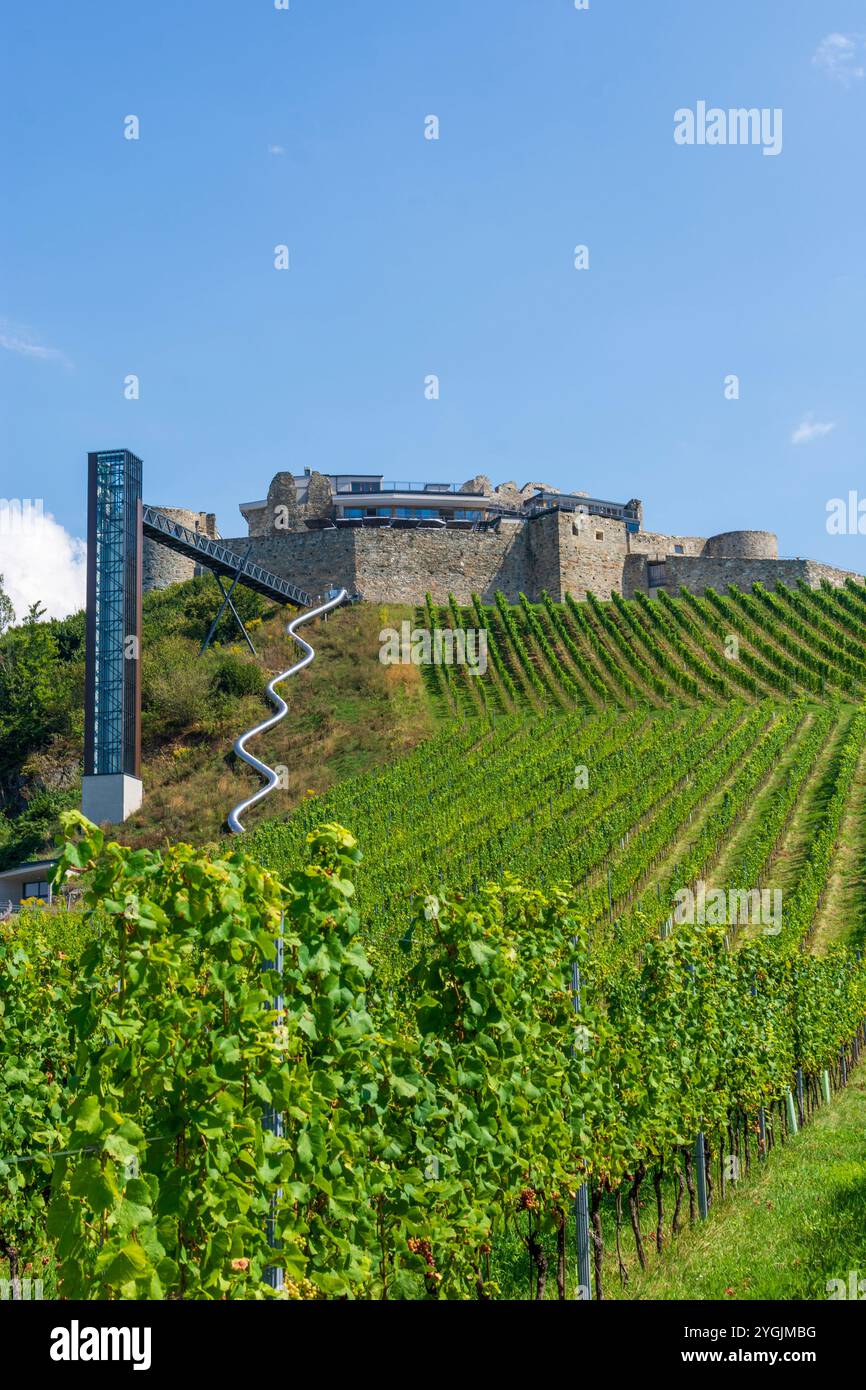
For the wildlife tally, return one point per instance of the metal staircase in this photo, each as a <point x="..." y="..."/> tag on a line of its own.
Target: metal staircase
<point x="217" y="557"/>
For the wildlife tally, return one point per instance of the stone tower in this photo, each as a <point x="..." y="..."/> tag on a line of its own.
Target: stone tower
<point x="161" y="567"/>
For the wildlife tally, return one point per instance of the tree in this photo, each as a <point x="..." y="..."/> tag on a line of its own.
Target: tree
<point x="7" y="612"/>
<point x="34" y="692"/>
<point x="35" y="614"/>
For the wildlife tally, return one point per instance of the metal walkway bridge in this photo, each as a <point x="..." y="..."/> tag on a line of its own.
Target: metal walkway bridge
<point x="240" y="569"/>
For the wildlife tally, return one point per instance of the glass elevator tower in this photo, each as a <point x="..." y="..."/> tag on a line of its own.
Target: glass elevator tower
<point x="112" y="788"/>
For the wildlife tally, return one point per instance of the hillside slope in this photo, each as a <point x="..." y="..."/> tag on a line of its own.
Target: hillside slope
<point x="349" y="713"/>
<point x="623" y="809"/>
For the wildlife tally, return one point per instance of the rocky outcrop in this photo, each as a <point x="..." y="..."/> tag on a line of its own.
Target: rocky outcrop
<point x="56" y="768"/>
<point x="480" y="483"/>
<point x="529" y="488"/>
<point x="509" y="495"/>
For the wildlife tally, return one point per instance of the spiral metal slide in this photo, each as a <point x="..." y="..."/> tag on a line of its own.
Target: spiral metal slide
<point x="271" y="778"/>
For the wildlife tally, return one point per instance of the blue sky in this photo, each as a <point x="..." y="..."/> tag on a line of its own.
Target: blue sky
<point x="411" y="257"/>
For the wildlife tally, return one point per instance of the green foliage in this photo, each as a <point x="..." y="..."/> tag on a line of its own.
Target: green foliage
<point x="237" y="676"/>
<point x="174" y="1056"/>
<point x="420" y="1126"/>
<point x="666" y="649"/>
<point x="38" y="689"/>
<point x="42" y="696"/>
<point x="25" y="837"/>
<point x="175" y="697"/>
<point x="492" y="1004"/>
<point x="7" y="612"/>
<point x="34" y="1068"/>
<point x="438" y="1100"/>
<point x="188" y="609"/>
<point x="462" y="808"/>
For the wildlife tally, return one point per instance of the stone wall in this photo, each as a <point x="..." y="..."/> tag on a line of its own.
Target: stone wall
<point x="543" y="548"/>
<point x="314" y="560"/>
<point x="703" y="573"/>
<point x="161" y="566"/>
<point x="656" y="545"/>
<point x="817" y="572"/>
<point x="440" y="562"/>
<point x="398" y="566"/>
<point x="592" y="554"/>
<point x="557" y="551"/>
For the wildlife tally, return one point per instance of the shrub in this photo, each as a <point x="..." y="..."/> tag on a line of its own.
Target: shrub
<point x="175" y="691"/>
<point x="235" y="675"/>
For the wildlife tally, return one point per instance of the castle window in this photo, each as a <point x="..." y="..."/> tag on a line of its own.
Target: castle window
<point x="599" y="535"/>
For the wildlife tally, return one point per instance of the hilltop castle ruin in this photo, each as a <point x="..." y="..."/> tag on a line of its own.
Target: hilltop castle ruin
<point x="395" y="542"/>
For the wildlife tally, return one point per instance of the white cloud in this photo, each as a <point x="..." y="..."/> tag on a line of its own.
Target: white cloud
<point x="40" y="562"/>
<point x="276" y="149"/>
<point x="19" y="340"/>
<point x="842" y="56"/>
<point x="810" y="429"/>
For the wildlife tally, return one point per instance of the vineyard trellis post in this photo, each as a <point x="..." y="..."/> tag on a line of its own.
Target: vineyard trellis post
<point x="581" y="1199"/>
<point x="762" y="1131"/>
<point x="793" y="1127"/>
<point x="272" y="1120"/>
<point x="701" y="1165"/>
<point x="584" y="1260"/>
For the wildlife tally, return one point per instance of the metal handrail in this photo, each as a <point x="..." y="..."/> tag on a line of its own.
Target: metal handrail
<point x="205" y="548"/>
<point x="271" y="778"/>
<point x="431" y="488"/>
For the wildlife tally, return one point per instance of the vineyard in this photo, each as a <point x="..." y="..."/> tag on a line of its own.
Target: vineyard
<point x="684" y="650"/>
<point x="623" y="809"/>
<point x="487" y="998"/>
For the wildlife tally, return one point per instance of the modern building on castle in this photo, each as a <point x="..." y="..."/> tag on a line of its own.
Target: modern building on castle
<point x="396" y="541"/>
<point x="317" y="501"/>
